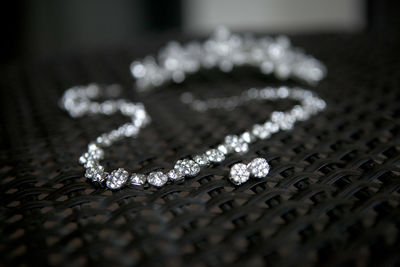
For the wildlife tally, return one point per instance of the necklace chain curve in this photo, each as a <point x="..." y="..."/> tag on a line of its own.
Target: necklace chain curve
<point x="224" y="50"/>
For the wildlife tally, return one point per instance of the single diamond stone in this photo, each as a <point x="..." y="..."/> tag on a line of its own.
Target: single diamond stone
<point x="236" y="144"/>
<point x="91" y="155"/>
<point x="284" y="120"/>
<point x="82" y="160"/>
<point x="267" y="67"/>
<point x="239" y="174"/>
<point x="260" y="131"/>
<point x="129" y="130"/>
<point x="214" y="155"/>
<point x="286" y="125"/>
<point x="180" y="168"/>
<point x="117" y="178"/>
<point x="277" y="116"/>
<point x="103" y="140"/>
<point x="258" y="167"/>
<point x="100" y="176"/>
<point x="224" y="149"/>
<point x="97" y="154"/>
<point x="247" y="137"/>
<point x="137" y="179"/>
<point x="96" y="174"/>
<point x="271" y="127"/>
<point x="187" y="167"/>
<point x="174" y="175"/>
<point x="282" y="92"/>
<point x="92" y="147"/>
<point x="299" y="113"/>
<point x="91" y="163"/>
<point x="90" y="172"/>
<point x="202" y="160"/>
<point x="157" y="179"/>
<point x="282" y="71"/>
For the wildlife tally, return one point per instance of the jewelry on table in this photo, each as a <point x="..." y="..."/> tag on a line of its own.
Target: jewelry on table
<point x="225" y="51"/>
<point x="77" y="101"/>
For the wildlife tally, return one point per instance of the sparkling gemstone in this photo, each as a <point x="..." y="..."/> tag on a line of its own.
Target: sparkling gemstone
<point x="202" y="160"/>
<point x="129" y="130"/>
<point x="90" y="172"/>
<point x="214" y="155"/>
<point x="271" y="127"/>
<point x="277" y="116"/>
<point x="224" y="149"/>
<point x="100" y="176"/>
<point x="92" y="90"/>
<point x="268" y="93"/>
<point x="82" y="160"/>
<point x="258" y="167"/>
<point x="103" y="140"/>
<point x="284" y="120"/>
<point x="128" y="109"/>
<point x="115" y="135"/>
<point x="299" y="113"/>
<point x="247" y="137"/>
<point x="174" y="175"/>
<point x="91" y="163"/>
<point x="117" y="178"/>
<point x="157" y="179"/>
<point x="93" y="155"/>
<point x="137" y="179"/>
<point x="260" y="131"/>
<point x="239" y="173"/>
<point x="236" y="144"/>
<point x="97" y="154"/>
<point x="92" y="147"/>
<point x="108" y="107"/>
<point x="282" y="71"/>
<point x="282" y="92"/>
<point x="138" y="70"/>
<point x="187" y="167"/>
<point x="267" y="67"/>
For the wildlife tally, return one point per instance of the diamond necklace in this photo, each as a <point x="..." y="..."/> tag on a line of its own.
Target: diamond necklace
<point x="224" y="50"/>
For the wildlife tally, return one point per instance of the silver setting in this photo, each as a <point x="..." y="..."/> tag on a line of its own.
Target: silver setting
<point x="137" y="179"/>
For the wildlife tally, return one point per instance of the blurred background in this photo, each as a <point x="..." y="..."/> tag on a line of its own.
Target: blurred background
<point x="37" y="28"/>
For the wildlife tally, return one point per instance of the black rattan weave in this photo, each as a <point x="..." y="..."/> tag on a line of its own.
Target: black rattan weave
<point x="332" y="197"/>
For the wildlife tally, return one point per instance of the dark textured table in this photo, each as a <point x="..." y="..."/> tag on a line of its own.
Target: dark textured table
<point x="332" y="197"/>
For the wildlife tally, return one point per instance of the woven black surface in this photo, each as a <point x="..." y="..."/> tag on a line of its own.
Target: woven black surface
<point x="332" y="197"/>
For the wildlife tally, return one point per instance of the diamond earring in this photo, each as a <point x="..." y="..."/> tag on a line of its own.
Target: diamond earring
<point x="240" y="172"/>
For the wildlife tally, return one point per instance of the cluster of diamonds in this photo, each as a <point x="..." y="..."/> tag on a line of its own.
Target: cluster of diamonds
<point x="225" y="50"/>
<point x="240" y="172"/>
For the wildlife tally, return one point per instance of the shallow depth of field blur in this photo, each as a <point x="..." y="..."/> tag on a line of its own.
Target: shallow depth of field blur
<point x="36" y="28"/>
